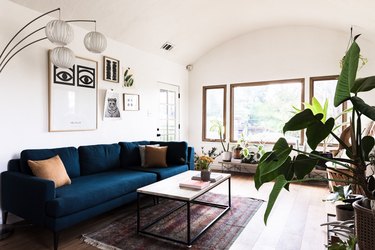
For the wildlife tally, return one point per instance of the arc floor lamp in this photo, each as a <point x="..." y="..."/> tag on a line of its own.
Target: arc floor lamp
<point x="58" y="32"/>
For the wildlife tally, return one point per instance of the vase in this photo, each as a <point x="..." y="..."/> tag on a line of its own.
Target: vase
<point x="226" y="156"/>
<point x="364" y="223"/>
<point x="205" y="175"/>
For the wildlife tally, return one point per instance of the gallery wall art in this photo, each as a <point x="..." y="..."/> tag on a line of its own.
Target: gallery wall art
<point x="131" y="102"/>
<point x="111" y="69"/>
<point x="73" y="96"/>
<point x="111" y="106"/>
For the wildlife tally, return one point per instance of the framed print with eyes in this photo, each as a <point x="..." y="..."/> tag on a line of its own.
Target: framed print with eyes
<point x="73" y="96"/>
<point x="111" y="69"/>
<point x="131" y="102"/>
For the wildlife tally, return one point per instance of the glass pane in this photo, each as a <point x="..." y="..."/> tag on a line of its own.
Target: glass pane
<point x="171" y="111"/>
<point x="260" y="112"/>
<point x="325" y="89"/>
<point x="163" y="96"/>
<point x="214" y="110"/>
<point x="171" y="97"/>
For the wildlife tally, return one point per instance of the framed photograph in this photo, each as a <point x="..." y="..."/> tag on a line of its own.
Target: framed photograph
<point x="111" y="69"/>
<point x="131" y="102"/>
<point x="72" y="96"/>
<point x="111" y="106"/>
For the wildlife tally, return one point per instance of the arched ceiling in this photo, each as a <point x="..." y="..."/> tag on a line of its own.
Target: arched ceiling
<point x="195" y="27"/>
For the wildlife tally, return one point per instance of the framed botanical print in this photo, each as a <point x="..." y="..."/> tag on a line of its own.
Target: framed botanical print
<point x="111" y="69"/>
<point x="131" y="102"/>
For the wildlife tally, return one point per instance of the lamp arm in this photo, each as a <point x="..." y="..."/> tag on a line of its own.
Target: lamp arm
<point x="15" y="53"/>
<point x="23" y="39"/>
<point x="11" y="40"/>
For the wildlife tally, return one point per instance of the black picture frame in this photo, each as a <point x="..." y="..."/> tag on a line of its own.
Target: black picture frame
<point x="111" y="69"/>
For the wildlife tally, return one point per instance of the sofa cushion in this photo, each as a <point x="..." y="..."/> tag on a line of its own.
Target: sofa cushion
<point x="68" y="155"/>
<point x="90" y="190"/>
<point x="156" y="156"/>
<point x="98" y="158"/>
<point x="177" y="151"/>
<point x="51" y="169"/>
<point x="130" y="156"/>
<point x="142" y="152"/>
<point x="164" y="173"/>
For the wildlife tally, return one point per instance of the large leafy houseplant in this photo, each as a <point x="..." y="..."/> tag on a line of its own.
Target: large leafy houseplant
<point x="286" y="164"/>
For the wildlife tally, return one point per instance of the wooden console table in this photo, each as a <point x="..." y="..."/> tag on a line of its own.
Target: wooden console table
<point x="238" y="166"/>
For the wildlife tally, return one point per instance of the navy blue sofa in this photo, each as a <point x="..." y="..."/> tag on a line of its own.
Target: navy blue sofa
<point x="103" y="177"/>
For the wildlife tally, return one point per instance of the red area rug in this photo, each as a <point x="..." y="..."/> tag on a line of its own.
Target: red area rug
<point x="121" y="233"/>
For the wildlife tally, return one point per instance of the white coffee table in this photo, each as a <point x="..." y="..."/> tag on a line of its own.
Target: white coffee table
<point x="169" y="189"/>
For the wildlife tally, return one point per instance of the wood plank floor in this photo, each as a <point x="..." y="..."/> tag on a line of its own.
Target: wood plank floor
<point x="293" y="223"/>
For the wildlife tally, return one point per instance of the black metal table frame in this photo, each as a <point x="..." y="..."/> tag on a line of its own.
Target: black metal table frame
<point x="190" y="239"/>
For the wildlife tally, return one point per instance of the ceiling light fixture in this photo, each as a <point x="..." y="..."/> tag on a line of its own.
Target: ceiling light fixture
<point x="60" y="33"/>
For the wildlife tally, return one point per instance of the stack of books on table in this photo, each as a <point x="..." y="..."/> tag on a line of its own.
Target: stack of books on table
<point x="214" y="177"/>
<point x="194" y="184"/>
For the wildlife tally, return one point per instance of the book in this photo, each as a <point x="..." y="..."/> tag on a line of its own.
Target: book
<point x="194" y="184"/>
<point x="214" y="177"/>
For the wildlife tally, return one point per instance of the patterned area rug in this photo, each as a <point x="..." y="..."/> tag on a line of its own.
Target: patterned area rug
<point x="121" y="233"/>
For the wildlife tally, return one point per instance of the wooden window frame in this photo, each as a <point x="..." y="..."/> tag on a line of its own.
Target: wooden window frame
<point x="263" y="83"/>
<point x="204" y="111"/>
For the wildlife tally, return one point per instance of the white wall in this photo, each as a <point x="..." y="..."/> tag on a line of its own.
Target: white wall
<point x="24" y="92"/>
<point x="270" y="54"/>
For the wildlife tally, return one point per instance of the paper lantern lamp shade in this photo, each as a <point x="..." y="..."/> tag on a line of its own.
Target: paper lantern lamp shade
<point x="62" y="57"/>
<point x="95" y="42"/>
<point x="59" y="32"/>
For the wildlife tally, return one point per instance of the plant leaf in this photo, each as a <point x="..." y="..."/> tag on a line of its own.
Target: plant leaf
<point x="301" y="120"/>
<point x="363" y="84"/>
<point x="303" y="165"/>
<point x="318" y="131"/>
<point x="271" y="161"/>
<point x="347" y="75"/>
<point x="368" y="143"/>
<point x="279" y="184"/>
<point x="362" y="107"/>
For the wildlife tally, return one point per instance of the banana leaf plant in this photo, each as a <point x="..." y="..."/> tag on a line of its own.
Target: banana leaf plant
<point x="285" y="164"/>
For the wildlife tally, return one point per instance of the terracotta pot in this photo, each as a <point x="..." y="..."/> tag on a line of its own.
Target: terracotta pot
<point x="205" y="175"/>
<point x="237" y="153"/>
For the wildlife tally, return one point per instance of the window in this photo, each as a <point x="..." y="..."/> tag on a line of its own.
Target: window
<point x="261" y="109"/>
<point x="214" y="103"/>
<point x="323" y="88"/>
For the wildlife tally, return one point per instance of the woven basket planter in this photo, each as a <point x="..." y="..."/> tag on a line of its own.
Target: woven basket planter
<point x="364" y="224"/>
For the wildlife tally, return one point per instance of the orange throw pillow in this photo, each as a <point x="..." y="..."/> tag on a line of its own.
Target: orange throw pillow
<point x="52" y="169"/>
<point x="156" y="156"/>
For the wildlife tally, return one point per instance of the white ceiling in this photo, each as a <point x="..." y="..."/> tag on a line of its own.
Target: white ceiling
<point x="197" y="26"/>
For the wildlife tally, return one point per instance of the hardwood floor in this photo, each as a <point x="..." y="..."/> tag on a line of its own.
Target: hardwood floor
<point x="293" y="224"/>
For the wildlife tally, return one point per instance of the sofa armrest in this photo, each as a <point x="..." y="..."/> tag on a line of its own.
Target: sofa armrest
<point x="25" y="195"/>
<point x="190" y="160"/>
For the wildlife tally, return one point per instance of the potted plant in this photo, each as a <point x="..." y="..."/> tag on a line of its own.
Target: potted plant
<point x="219" y="127"/>
<point x="345" y="210"/>
<point x="237" y="151"/>
<point x="281" y="166"/>
<point x="203" y="164"/>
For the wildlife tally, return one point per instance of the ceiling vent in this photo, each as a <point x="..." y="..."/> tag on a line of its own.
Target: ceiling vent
<point x="167" y="46"/>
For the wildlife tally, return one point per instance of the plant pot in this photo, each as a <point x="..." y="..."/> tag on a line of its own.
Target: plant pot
<point x="321" y="165"/>
<point x="364" y="224"/>
<point x="344" y="212"/>
<point x="226" y="156"/>
<point x="237" y="153"/>
<point x="205" y="175"/>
